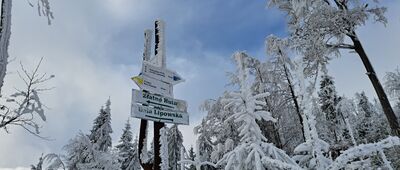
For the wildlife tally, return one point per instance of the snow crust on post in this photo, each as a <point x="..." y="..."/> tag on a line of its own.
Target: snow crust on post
<point x="145" y="158"/>
<point x="160" y="58"/>
<point x="4" y="38"/>
<point x="147" y="44"/>
<point x="164" y="148"/>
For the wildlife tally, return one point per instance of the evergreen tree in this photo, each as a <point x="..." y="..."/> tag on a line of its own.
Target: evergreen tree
<point x="205" y="148"/>
<point x="82" y="154"/>
<point x="135" y="162"/>
<point x="38" y="165"/>
<point x="371" y="124"/>
<point x="253" y="151"/>
<point x="328" y="100"/>
<point x="93" y="151"/>
<point x="364" y="116"/>
<point x="175" y="144"/>
<point x="100" y="133"/>
<point x="127" y="151"/>
<point x="192" y="156"/>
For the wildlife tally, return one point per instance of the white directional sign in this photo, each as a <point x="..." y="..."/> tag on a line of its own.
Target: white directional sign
<point x="161" y="74"/>
<point x="158" y="115"/>
<point x="154" y="101"/>
<point x="166" y="103"/>
<point x="153" y="85"/>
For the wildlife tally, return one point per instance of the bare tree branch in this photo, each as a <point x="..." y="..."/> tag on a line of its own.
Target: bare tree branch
<point x="23" y="108"/>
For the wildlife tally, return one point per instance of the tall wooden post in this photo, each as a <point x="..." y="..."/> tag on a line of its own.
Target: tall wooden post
<point x="143" y="122"/>
<point x="142" y="137"/>
<point x="155" y="79"/>
<point x="159" y="50"/>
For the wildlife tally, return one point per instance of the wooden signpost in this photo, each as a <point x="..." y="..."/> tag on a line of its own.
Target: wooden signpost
<point x="154" y="101"/>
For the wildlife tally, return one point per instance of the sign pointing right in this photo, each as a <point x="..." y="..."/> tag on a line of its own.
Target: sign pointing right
<point x="162" y="74"/>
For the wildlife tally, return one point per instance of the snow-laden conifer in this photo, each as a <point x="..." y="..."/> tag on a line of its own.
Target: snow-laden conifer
<point x="127" y="150"/>
<point x="175" y="143"/>
<point x="83" y="154"/>
<point x="101" y="130"/>
<point x="253" y="152"/>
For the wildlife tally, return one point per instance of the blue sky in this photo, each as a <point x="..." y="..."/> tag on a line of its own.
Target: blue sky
<point x="94" y="47"/>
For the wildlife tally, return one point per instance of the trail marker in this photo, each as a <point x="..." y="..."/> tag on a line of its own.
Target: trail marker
<point x="166" y="103"/>
<point x="154" y="101"/>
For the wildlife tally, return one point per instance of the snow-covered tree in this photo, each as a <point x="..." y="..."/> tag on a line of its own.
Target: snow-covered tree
<point x="318" y="29"/>
<point x="313" y="152"/>
<point x="135" y="162"/>
<point x="283" y="100"/>
<point x="328" y="100"/>
<point x="392" y="83"/>
<point x="49" y="162"/>
<point x="93" y="151"/>
<point x="175" y="143"/>
<point x="127" y="150"/>
<point x="39" y="165"/>
<point x="191" y="156"/>
<point x="253" y="151"/>
<point x="363" y="151"/>
<point x="369" y="125"/>
<point x="204" y="144"/>
<point x="348" y="111"/>
<point x="101" y="130"/>
<point x="215" y="133"/>
<point x="83" y="154"/>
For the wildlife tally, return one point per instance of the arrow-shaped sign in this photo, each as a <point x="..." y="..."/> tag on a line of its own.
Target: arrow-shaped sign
<point x="159" y="115"/>
<point x="166" y="103"/>
<point x="162" y="74"/>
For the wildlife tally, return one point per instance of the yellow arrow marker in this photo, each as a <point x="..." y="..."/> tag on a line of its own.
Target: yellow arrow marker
<point x="138" y="80"/>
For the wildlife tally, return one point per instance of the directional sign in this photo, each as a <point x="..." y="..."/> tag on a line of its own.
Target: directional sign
<point x="153" y="85"/>
<point x="161" y="74"/>
<point x="155" y="100"/>
<point x="159" y="115"/>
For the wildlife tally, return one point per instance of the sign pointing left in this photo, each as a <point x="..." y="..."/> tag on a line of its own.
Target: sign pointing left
<point x="154" y="100"/>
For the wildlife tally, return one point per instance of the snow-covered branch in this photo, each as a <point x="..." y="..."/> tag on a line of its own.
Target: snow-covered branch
<point x="363" y="150"/>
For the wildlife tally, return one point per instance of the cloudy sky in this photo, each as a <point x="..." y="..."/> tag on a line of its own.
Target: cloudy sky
<point x="93" y="48"/>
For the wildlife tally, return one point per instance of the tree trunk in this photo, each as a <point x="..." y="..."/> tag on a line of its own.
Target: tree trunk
<point x="294" y="98"/>
<point x="142" y="136"/>
<point x="157" y="145"/>
<point x="5" y="31"/>
<point x="271" y="131"/>
<point x="387" y="108"/>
